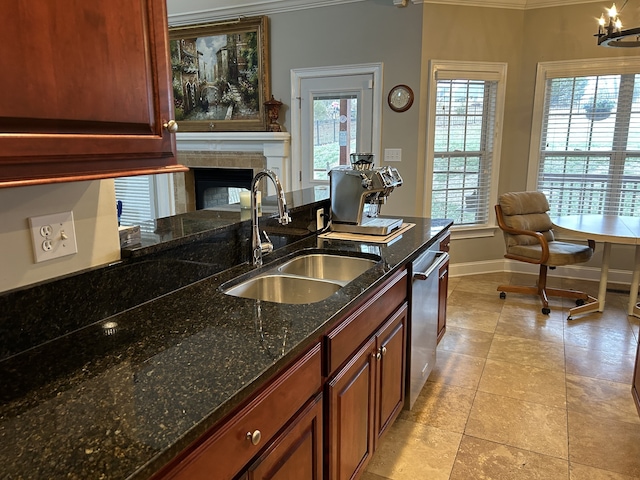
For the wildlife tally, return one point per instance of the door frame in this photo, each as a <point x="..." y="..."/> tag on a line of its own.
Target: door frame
<point x="300" y="74"/>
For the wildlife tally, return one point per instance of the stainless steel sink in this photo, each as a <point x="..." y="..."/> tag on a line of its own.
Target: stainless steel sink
<point x="281" y="288"/>
<point x="338" y="268"/>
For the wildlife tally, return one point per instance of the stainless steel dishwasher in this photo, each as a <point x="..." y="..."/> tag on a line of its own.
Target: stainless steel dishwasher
<point x="423" y="330"/>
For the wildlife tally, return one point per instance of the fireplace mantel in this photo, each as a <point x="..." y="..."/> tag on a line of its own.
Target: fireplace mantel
<point x="275" y="146"/>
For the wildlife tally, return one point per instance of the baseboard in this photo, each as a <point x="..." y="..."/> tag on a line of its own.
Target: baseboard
<point x="579" y="272"/>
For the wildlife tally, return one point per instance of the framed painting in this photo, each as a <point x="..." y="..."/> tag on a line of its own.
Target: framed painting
<point x="221" y="75"/>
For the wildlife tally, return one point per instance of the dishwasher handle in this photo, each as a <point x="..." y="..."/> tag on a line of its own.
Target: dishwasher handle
<point x="441" y="259"/>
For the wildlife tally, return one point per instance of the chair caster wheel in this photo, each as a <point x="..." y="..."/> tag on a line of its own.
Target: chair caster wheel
<point x="579" y="302"/>
<point x="503" y="295"/>
<point x="546" y="311"/>
<point x="569" y="318"/>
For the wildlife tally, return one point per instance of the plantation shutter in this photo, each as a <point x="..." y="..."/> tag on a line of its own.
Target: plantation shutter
<point x="590" y="145"/>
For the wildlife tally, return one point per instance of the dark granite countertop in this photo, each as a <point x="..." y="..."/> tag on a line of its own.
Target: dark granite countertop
<point x="120" y="397"/>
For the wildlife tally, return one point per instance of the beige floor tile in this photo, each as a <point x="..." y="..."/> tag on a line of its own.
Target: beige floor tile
<point x="530" y="426"/>
<point x="611" y="365"/>
<point x="464" y="317"/>
<point x="411" y="451"/>
<point x="482" y="459"/>
<point x="466" y="341"/>
<point x="457" y="369"/>
<point x="485" y="284"/>
<point x="475" y="301"/>
<point x="534" y="328"/>
<point x="443" y="406"/>
<point x="583" y="472"/>
<point x="594" y="337"/>
<point x="372" y="476"/>
<point x="524" y="382"/>
<point x="515" y="310"/>
<point x="546" y="355"/>
<point x="604" y="444"/>
<point x="601" y="398"/>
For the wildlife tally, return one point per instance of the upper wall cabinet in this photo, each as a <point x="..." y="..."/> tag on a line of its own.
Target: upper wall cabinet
<point x="86" y="91"/>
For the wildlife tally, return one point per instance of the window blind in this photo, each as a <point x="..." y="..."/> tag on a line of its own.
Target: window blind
<point x="590" y="145"/>
<point x="463" y="149"/>
<point x="137" y="200"/>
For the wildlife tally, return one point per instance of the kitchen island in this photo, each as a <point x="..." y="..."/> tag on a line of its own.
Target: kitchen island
<point x="123" y="396"/>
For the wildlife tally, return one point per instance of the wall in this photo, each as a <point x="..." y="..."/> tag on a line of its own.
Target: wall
<point x="355" y="33"/>
<point x="96" y="225"/>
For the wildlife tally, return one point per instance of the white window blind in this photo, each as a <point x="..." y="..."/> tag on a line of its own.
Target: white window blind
<point x="463" y="150"/>
<point x="137" y="197"/>
<point x="590" y="145"/>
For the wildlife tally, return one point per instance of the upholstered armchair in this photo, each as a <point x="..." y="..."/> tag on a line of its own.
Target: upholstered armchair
<point x="529" y="237"/>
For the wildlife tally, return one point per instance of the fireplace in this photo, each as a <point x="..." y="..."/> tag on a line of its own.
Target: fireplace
<point x="232" y="159"/>
<point x="218" y="186"/>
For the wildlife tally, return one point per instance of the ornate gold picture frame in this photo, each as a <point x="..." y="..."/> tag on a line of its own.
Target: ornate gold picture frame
<point x="221" y="75"/>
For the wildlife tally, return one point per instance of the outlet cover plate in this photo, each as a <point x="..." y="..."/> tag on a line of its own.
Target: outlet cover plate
<point x="53" y="236"/>
<point x="392" y="154"/>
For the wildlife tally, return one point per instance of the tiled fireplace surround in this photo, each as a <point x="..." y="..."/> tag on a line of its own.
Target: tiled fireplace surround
<point x="245" y="150"/>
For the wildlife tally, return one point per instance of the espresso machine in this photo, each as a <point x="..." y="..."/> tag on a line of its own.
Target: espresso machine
<point x="358" y="192"/>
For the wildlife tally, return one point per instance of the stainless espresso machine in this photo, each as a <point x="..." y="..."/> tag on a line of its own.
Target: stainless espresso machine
<point x="358" y="192"/>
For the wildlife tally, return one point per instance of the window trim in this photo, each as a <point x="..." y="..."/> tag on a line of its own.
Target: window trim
<point x="488" y="71"/>
<point x="561" y="69"/>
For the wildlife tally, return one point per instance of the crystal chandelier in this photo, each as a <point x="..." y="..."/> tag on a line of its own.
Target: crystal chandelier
<point x="611" y="34"/>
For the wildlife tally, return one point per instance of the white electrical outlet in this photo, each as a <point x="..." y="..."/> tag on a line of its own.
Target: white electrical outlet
<point x="53" y="236"/>
<point x="392" y="154"/>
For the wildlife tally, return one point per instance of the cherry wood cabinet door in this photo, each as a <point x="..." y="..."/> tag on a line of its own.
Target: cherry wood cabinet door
<point x="86" y="90"/>
<point x="443" y="291"/>
<point x="297" y="453"/>
<point x="391" y="341"/>
<point x="635" y="387"/>
<point x="350" y="439"/>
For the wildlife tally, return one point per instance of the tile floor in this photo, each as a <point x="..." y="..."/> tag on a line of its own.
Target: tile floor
<point x="520" y="395"/>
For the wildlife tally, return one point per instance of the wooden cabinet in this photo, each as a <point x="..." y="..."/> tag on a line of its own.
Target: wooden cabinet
<point x="635" y="386"/>
<point x="297" y="452"/>
<point x="86" y="91"/>
<point x="366" y="394"/>
<point x="444" y="243"/>
<point x="443" y="292"/>
<point x="229" y="448"/>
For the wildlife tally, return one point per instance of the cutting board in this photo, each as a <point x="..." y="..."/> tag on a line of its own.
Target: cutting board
<point x="360" y="237"/>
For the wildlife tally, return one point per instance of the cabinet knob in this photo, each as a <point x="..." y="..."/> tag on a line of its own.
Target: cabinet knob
<point x="171" y="126"/>
<point x="377" y="355"/>
<point x="254" y="437"/>
<point x="383" y="350"/>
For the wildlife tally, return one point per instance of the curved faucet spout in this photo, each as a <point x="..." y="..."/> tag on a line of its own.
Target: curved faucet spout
<point x="259" y="247"/>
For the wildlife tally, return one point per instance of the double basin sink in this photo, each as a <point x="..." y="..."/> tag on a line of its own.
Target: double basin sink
<point x="306" y="278"/>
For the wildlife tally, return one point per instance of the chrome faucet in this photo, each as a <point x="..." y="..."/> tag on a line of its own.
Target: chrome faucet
<point x="259" y="247"/>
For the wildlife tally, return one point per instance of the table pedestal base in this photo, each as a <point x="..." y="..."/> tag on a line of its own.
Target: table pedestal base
<point x="592" y="305"/>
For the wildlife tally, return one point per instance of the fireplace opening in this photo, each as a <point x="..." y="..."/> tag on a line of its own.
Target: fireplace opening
<point x="220" y="186"/>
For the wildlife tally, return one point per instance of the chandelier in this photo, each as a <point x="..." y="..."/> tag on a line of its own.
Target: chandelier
<point x="611" y="34"/>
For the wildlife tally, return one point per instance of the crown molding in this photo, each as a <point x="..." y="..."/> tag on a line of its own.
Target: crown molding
<point x="509" y="4"/>
<point x="188" y="12"/>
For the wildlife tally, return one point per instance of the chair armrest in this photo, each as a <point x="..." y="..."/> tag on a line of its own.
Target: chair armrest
<point x="515" y="231"/>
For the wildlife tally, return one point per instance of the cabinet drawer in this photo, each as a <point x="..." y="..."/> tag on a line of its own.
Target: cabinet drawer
<point x="356" y="328"/>
<point x="225" y="453"/>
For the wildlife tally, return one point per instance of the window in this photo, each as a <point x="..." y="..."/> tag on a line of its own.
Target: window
<point x="145" y="198"/>
<point x="587" y="155"/>
<point x="466" y="107"/>
<point x="339" y="112"/>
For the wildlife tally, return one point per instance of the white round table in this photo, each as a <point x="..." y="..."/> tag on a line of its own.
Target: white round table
<point x="607" y="229"/>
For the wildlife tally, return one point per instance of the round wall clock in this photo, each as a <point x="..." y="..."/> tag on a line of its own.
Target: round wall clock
<point x="400" y="98"/>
